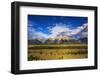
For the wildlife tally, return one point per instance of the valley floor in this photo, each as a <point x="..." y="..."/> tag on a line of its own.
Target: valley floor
<point x="57" y="51"/>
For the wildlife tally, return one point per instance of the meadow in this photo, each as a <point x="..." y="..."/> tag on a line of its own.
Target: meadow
<point x="57" y="51"/>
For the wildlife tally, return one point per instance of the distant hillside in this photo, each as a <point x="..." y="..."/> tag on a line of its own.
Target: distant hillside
<point x="34" y="41"/>
<point x="83" y="40"/>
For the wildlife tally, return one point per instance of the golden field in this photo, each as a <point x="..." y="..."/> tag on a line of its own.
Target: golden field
<point x="57" y="51"/>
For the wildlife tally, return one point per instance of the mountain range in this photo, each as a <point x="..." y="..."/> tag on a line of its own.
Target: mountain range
<point x="62" y="37"/>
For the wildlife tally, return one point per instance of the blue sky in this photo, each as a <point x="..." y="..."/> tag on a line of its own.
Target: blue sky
<point x="51" y="25"/>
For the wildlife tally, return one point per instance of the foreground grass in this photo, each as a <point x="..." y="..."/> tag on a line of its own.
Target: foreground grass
<point x="57" y="51"/>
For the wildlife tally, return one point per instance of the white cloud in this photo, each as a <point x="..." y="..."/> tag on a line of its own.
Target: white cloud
<point x="40" y="34"/>
<point x="64" y="28"/>
<point x="78" y="29"/>
<point x="30" y="24"/>
<point x="84" y="34"/>
<point x="33" y="34"/>
<point x="58" y="28"/>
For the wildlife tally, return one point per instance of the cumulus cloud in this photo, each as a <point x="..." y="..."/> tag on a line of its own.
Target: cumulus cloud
<point x="33" y="34"/>
<point x="84" y="34"/>
<point x="58" y="28"/>
<point x="78" y="29"/>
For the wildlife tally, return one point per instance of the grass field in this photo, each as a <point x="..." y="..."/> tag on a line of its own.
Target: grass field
<point x="57" y="51"/>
